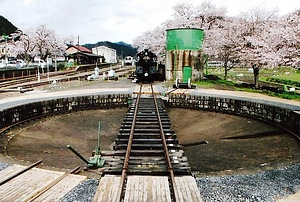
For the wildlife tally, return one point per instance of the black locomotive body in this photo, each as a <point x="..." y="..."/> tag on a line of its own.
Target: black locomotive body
<point x="146" y="66"/>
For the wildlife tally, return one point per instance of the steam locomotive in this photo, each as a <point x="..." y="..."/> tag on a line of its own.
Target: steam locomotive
<point x="146" y="66"/>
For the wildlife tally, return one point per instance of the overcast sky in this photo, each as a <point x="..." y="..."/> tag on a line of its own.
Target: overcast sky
<point x="112" y="20"/>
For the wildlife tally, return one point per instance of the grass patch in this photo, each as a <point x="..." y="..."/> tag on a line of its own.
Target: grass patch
<point x="221" y="84"/>
<point x="216" y="83"/>
<point x="285" y="95"/>
<point x="284" y="81"/>
<point x="292" y="77"/>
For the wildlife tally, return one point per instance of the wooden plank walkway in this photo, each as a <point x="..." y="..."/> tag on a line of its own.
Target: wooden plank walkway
<point x="56" y="192"/>
<point x="147" y="188"/>
<point x="10" y="171"/>
<point x="186" y="189"/>
<point x="180" y="91"/>
<point x="25" y="186"/>
<point x="108" y="188"/>
<point x="146" y="89"/>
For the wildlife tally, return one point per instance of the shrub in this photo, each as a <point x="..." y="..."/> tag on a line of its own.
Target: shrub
<point x="284" y="81"/>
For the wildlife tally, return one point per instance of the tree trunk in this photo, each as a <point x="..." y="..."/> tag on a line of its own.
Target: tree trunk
<point x="256" y="75"/>
<point x="199" y="64"/>
<point x="226" y="71"/>
<point x="226" y="67"/>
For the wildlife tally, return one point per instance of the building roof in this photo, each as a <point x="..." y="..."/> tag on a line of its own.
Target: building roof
<point x="104" y="47"/>
<point x="81" y="48"/>
<point x="89" y="54"/>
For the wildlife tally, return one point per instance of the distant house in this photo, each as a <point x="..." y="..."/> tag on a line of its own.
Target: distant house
<point x="109" y="54"/>
<point x="81" y="55"/>
<point x="7" y="49"/>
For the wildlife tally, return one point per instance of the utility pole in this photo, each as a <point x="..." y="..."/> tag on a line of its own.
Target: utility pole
<point x="5" y="37"/>
<point x="48" y="74"/>
<point x="78" y="50"/>
<point x="39" y="75"/>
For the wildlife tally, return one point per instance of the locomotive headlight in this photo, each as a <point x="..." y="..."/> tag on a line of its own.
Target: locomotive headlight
<point x="146" y="74"/>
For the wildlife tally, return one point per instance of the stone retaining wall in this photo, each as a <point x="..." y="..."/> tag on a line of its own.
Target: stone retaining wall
<point x="280" y="116"/>
<point x="19" y="114"/>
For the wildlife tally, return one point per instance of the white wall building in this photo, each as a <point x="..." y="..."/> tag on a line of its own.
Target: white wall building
<point x="109" y="54"/>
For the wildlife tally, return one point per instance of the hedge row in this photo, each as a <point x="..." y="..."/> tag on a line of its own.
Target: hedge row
<point x="284" y="81"/>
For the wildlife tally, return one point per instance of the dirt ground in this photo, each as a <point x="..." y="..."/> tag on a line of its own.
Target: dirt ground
<point x="234" y="144"/>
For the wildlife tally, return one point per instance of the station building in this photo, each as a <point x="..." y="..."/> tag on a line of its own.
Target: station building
<point x="109" y="54"/>
<point x="81" y="55"/>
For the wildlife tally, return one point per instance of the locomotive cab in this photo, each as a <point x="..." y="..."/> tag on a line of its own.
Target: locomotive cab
<point x="146" y="66"/>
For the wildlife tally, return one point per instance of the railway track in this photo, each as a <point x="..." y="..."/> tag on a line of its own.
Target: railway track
<point x="19" y="81"/>
<point x="147" y="164"/>
<point x="146" y="145"/>
<point x="31" y="81"/>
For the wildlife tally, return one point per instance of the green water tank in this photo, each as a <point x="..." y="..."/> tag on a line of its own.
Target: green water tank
<point x="187" y="74"/>
<point x="184" y="39"/>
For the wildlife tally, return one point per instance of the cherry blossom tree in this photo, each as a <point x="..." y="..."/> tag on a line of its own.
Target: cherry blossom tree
<point x="40" y="42"/>
<point x="290" y="39"/>
<point x="25" y="47"/>
<point x="209" y="15"/>
<point x="255" y="43"/>
<point x="46" y="42"/>
<point x="184" y="16"/>
<point x="258" y="38"/>
<point x="222" y="43"/>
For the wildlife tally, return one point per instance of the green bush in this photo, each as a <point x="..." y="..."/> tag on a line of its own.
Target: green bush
<point x="285" y="95"/>
<point x="283" y="81"/>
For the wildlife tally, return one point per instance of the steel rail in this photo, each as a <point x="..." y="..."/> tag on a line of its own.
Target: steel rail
<point x="126" y="160"/>
<point x="166" y="151"/>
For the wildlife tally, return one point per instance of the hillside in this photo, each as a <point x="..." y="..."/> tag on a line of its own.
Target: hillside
<point x="121" y="47"/>
<point x="6" y="27"/>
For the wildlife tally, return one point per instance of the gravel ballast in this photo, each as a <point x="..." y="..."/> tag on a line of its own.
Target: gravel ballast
<point x="85" y="191"/>
<point x="3" y="166"/>
<point x="267" y="186"/>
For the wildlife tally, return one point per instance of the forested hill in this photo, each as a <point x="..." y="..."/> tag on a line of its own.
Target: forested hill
<point x="121" y="47"/>
<point x="6" y="27"/>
